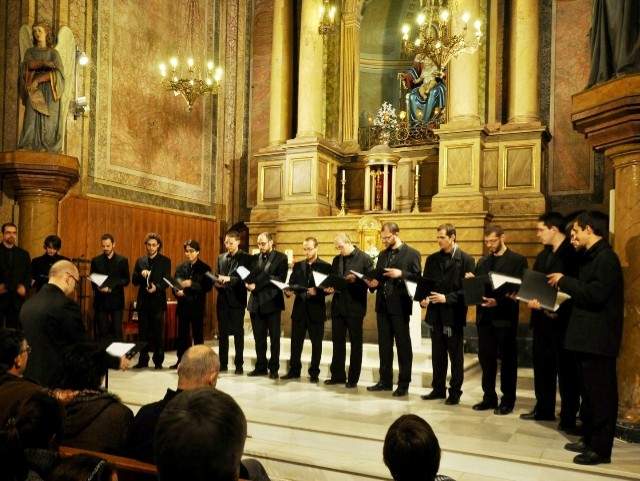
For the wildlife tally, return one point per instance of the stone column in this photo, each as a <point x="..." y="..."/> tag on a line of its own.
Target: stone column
<point x="523" y="62"/>
<point x="311" y="78"/>
<point x="609" y="116"/>
<point x="350" y="74"/>
<point x="281" y="71"/>
<point x="38" y="180"/>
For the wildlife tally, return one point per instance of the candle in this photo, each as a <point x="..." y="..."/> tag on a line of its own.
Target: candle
<point x="344" y="175"/>
<point x="417" y="170"/>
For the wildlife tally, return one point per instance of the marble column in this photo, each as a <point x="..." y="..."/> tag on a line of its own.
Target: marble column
<point x="609" y="117"/>
<point x="311" y="77"/>
<point x="281" y="72"/>
<point x="38" y="180"/>
<point x="523" y="62"/>
<point x="350" y="74"/>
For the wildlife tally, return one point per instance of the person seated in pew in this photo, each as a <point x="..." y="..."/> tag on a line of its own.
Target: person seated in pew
<point x="95" y="418"/>
<point x="29" y="439"/>
<point x="200" y="436"/>
<point x="83" y="467"/>
<point x="411" y="450"/>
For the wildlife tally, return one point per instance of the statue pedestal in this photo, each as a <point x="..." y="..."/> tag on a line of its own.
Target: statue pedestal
<point x="609" y="117"/>
<point x="37" y="180"/>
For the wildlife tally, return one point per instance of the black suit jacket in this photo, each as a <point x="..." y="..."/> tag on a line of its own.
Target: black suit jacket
<point x="117" y="268"/>
<point x="40" y="268"/>
<point x="595" y="325"/>
<point x="392" y="296"/>
<point x="351" y="302"/>
<point x="267" y="298"/>
<point x="305" y="306"/>
<point x="506" y="312"/>
<point x="233" y="294"/>
<point x="448" y="270"/>
<point x="14" y="272"/>
<point x="51" y="323"/>
<point x="160" y="267"/>
<point x="200" y="284"/>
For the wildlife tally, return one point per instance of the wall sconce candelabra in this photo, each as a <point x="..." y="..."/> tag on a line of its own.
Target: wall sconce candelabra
<point x="189" y="83"/>
<point x="327" y="17"/>
<point x="79" y="106"/>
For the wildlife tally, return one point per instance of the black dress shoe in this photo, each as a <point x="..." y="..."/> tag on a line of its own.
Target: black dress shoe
<point x="400" y="391"/>
<point x="290" y="375"/>
<point x="314" y="379"/>
<point x="351" y="385"/>
<point x="331" y="382"/>
<point x="503" y="409"/>
<point x="379" y="387"/>
<point x="536" y="416"/>
<point x="158" y="367"/>
<point x="577" y="447"/>
<point x="239" y="370"/>
<point x="174" y="366"/>
<point x="255" y="373"/>
<point x="433" y="395"/>
<point x="570" y="429"/>
<point x="485" y="405"/>
<point x="141" y="366"/>
<point x="224" y="368"/>
<point x="452" y="400"/>
<point x="274" y="375"/>
<point x="590" y="458"/>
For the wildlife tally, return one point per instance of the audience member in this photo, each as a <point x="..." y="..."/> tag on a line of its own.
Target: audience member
<point x="84" y="467"/>
<point x="411" y="450"/>
<point x="96" y="419"/>
<point x="14" y="355"/>
<point x="28" y="443"/>
<point x="200" y="437"/>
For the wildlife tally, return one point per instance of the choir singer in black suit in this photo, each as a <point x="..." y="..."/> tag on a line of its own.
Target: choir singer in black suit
<point x="40" y="265"/>
<point x="309" y="311"/>
<point x="108" y="299"/>
<point x="594" y="334"/>
<point x="497" y="321"/>
<point x="15" y="276"/>
<point x="396" y="264"/>
<point x="191" y="295"/>
<point x="148" y="275"/>
<point x="348" y="308"/>
<point x="232" y="301"/>
<point x="266" y="302"/>
<point x="447" y="313"/>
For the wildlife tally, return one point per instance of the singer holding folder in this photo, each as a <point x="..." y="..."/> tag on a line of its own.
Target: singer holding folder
<point x="447" y="313"/>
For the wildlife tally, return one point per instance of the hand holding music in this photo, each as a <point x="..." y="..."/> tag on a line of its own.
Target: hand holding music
<point x="489" y="302"/>
<point x="554" y="278"/>
<point x="250" y="287"/>
<point x="152" y="288"/>
<point x="392" y="272"/>
<point x="437" y="298"/>
<point x="424" y="302"/>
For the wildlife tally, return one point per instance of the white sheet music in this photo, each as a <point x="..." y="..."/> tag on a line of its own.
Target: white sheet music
<point x="98" y="279"/>
<point x="319" y="278"/>
<point x="280" y="285"/>
<point x="243" y="272"/>
<point x="498" y="279"/>
<point x="411" y="288"/>
<point x="357" y="274"/>
<point x="119" y="349"/>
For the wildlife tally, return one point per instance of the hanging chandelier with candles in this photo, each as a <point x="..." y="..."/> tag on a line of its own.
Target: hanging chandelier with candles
<point x="438" y="39"/>
<point x="189" y="78"/>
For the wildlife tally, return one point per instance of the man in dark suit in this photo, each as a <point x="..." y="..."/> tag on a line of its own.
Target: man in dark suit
<point x="108" y="299"/>
<point x="40" y="265"/>
<point x="191" y="296"/>
<point x="148" y="274"/>
<point x="497" y="321"/>
<point x="348" y="308"/>
<point x="15" y="276"/>
<point x="232" y="301"/>
<point x="309" y="311"/>
<point x="397" y="264"/>
<point x="266" y="302"/>
<point x="447" y="313"/>
<point x="52" y="324"/>
<point x="551" y="361"/>
<point x="594" y="334"/>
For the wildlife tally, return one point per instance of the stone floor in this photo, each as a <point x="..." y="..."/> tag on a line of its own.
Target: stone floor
<point x="304" y="431"/>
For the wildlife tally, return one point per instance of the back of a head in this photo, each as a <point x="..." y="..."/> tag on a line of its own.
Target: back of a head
<point x="59" y="269"/>
<point x="200" y="437"/>
<point x="82" y="467"/>
<point x="84" y="366"/>
<point x="199" y="367"/>
<point x="411" y="450"/>
<point x="10" y="347"/>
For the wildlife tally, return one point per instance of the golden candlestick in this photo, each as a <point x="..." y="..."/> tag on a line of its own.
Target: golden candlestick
<point x="416" y="208"/>
<point x="343" y="204"/>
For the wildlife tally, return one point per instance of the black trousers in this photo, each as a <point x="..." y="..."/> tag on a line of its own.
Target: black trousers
<point x="151" y="331"/>
<point x="230" y="323"/>
<point x="263" y="325"/>
<point x="494" y="342"/>
<point x="190" y="327"/>
<point x="340" y="325"/>
<point x="394" y="327"/>
<point x="9" y="312"/>
<point x="109" y="325"/>
<point x="443" y="348"/>
<point x="299" y="328"/>
<point x="552" y="362"/>
<point x="599" y="401"/>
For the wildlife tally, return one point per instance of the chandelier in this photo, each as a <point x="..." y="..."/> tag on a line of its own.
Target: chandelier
<point x="327" y="18"/>
<point x="188" y="78"/>
<point x="436" y="38"/>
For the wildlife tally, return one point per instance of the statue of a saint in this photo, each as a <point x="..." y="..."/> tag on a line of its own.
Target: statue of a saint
<point x="615" y="39"/>
<point x="45" y="86"/>
<point x="427" y="94"/>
